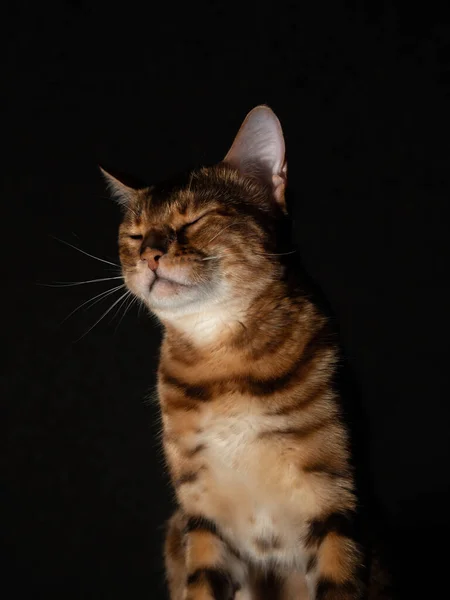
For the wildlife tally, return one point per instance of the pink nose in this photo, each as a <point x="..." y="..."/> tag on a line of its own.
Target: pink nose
<point x="151" y="256"/>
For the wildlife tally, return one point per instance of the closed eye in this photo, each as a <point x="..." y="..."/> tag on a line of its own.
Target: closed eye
<point x="197" y="219"/>
<point x="136" y="237"/>
<point x="182" y="230"/>
<point x="186" y="225"/>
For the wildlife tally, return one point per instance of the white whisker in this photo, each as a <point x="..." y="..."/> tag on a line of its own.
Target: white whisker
<point x="223" y="229"/>
<point x="120" y="306"/>
<point x="86" y="253"/>
<point x="103" y="315"/>
<point x="72" y="283"/>
<point x="93" y="300"/>
<point x="254" y="253"/>
<point x="128" y="207"/>
<point x="141" y="305"/>
<point x="132" y="301"/>
<point x="279" y="254"/>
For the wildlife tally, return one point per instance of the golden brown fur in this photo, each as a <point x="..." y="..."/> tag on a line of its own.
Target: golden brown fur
<point x="252" y="430"/>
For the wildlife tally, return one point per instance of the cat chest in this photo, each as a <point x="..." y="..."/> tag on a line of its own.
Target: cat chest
<point x="223" y="472"/>
<point x="223" y="446"/>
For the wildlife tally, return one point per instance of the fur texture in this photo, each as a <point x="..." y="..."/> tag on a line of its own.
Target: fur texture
<point x="252" y="430"/>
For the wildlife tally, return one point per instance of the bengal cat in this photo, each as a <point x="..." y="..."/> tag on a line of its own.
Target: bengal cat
<point x="253" y="433"/>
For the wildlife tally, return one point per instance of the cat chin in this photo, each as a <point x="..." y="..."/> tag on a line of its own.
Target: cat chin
<point x="163" y="288"/>
<point x="160" y="292"/>
<point x="174" y="303"/>
<point x="170" y="296"/>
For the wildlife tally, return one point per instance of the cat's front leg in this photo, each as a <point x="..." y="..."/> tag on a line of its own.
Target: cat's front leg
<point x="213" y="572"/>
<point x="335" y="564"/>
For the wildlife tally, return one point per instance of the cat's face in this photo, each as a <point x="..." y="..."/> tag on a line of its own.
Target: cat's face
<point x="208" y="243"/>
<point x="199" y="245"/>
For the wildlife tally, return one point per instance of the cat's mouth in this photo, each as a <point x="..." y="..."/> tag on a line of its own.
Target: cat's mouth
<point x="166" y="288"/>
<point x="163" y="284"/>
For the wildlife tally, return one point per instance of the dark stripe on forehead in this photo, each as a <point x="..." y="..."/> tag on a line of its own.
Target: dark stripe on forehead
<point x="221" y="184"/>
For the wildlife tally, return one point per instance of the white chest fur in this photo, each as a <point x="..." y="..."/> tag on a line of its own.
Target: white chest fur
<point x="244" y="488"/>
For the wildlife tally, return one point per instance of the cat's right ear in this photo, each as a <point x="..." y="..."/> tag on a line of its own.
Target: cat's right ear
<point x="121" y="193"/>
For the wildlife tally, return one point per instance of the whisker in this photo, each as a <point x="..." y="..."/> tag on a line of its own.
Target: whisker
<point x="115" y="269"/>
<point x="127" y="206"/>
<point x="190" y="181"/>
<point x="93" y="300"/>
<point x="120" y="306"/>
<point x="279" y="254"/>
<point x="72" y="283"/>
<point x="86" y="253"/>
<point x="141" y="305"/>
<point x="103" y="316"/>
<point x="255" y="253"/>
<point x="133" y="300"/>
<point x="222" y="230"/>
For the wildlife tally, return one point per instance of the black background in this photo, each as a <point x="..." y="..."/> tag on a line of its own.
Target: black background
<point x="363" y="96"/>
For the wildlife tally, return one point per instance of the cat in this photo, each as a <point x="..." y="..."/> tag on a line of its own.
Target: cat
<point x="253" y="433"/>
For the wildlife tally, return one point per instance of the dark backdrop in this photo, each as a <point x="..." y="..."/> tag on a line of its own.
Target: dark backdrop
<point x="363" y="95"/>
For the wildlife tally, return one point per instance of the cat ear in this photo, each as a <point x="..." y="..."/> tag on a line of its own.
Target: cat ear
<point x="123" y="194"/>
<point x="258" y="150"/>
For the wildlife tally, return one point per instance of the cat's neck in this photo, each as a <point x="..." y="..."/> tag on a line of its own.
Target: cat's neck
<point x="224" y="325"/>
<point x="209" y="327"/>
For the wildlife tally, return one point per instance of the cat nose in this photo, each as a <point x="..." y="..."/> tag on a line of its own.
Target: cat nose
<point x="151" y="256"/>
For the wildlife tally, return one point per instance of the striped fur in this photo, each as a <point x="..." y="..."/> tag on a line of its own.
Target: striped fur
<point x="252" y="430"/>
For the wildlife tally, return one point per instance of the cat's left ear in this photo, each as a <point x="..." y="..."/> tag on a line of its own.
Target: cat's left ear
<point x="121" y="193"/>
<point x="258" y="150"/>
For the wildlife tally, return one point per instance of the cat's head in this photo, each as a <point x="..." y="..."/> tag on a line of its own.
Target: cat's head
<point x="208" y="245"/>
